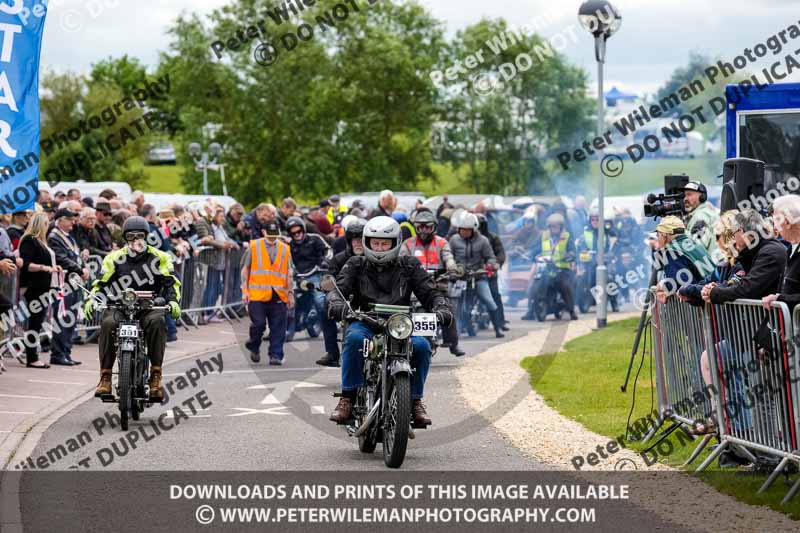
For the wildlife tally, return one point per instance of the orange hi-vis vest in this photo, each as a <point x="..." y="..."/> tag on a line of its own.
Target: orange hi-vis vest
<point x="266" y="275"/>
<point x="430" y="256"/>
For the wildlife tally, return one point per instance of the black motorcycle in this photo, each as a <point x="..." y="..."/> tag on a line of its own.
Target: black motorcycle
<point x="133" y="364"/>
<point x="547" y="298"/>
<point x="473" y="315"/>
<point x="305" y="316"/>
<point x="382" y="409"/>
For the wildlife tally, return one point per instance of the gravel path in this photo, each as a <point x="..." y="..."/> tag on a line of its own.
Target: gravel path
<point x="544" y="435"/>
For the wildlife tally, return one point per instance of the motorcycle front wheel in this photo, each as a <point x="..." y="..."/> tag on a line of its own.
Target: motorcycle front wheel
<point x="397" y="421"/>
<point x="125" y="385"/>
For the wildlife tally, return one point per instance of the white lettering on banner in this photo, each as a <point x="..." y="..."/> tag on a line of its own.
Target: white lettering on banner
<point x="8" y="40"/>
<point x="12" y="9"/>
<point x="7" y="97"/>
<point x="5" y="133"/>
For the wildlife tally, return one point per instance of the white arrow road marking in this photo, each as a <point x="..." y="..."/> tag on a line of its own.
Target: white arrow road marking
<point x="171" y="414"/>
<point x="271" y="411"/>
<point x="282" y="390"/>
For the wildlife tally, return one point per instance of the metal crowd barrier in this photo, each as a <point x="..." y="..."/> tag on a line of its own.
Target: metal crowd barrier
<point x="192" y="272"/>
<point x="754" y="397"/>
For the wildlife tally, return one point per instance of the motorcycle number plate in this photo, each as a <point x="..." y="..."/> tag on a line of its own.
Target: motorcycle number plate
<point x="127" y="330"/>
<point x="460" y="284"/>
<point x="424" y="324"/>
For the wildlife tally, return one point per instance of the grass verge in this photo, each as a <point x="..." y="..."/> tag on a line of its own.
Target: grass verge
<point x="583" y="383"/>
<point x="163" y="178"/>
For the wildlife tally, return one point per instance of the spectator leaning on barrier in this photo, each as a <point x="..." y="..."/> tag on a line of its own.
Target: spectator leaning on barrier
<point x="68" y="257"/>
<point x="39" y="275"/>
<point x="700" y="214"/>
<point x="787" y="221"/>
<point x="681" y="259"/>
<point x="234" y="224"/>
<point x="727" y="272"/>
<point x="762" y="257"/>
<point x="221" y="243"/>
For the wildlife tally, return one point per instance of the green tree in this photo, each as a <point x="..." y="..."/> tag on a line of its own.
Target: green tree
<point x="350" y="109"/>
<point x="503" y="134"/>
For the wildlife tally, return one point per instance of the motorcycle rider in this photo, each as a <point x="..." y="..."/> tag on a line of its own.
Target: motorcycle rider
<point x="382" y="276"/>
<point x="499" y="254"/>
<point x="556" y="244"/>
<point x="588" y="243"/>
<point x="148" y="269"/>
<point x="310" y="251"/>
<point x="434" y="253"/>
<point x="354" y="246"/>
<point x="472" y="251"/>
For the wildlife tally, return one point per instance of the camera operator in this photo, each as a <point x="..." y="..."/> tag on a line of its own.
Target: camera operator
<point x="700" y="216"/>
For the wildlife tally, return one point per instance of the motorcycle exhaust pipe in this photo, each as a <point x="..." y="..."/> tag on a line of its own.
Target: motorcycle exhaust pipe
<point x="365" y="426"/>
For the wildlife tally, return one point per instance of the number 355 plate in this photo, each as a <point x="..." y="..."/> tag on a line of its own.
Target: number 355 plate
<point x="424" y="324"/>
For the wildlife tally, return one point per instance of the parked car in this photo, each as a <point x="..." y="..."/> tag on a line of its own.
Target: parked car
<point x="162" y="153"/>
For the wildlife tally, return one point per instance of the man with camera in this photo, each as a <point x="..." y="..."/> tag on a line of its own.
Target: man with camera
<point x="700" y="216"/>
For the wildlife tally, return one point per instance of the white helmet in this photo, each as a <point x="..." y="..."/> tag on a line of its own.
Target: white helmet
<point x="382" y="228"/>
<point x="346" y="221"/>
<point x="468" y="221"/>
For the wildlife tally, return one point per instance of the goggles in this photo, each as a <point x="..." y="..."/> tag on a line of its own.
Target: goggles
<point x="134" y="235"/>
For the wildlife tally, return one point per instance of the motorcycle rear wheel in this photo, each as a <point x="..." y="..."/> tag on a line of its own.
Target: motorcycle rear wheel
<point x="397" y="421"/>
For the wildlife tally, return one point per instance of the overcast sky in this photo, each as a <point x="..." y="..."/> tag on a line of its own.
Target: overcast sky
<point x="655" y="38"/>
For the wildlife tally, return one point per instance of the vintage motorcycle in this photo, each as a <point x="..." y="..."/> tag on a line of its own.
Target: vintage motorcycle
<point x="585" y="277"/>
<point x="547" y="299"/>
<point x="133" y="364"/>
<point x="382" y="409"/>
<point x="305" y="316"/>
<point x="473" y="315"/>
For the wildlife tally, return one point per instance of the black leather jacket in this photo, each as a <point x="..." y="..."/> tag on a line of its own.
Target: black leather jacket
<point x="391" y="284"/>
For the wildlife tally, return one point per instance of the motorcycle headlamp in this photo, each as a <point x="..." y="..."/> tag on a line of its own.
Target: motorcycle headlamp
<point x="129" y="297"/>
<point x="400" y="326"/>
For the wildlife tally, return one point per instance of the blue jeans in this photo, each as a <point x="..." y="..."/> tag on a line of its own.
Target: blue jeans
<point x="353" y="360"/>
<point x="484" y="294"/>
<point x="275" y="312"/>
<point x="213" y="288"/>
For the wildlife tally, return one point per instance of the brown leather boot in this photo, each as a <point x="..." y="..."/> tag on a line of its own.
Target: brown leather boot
<point x="156" y="392"/>
<point x="343" y="412"/>
<point x="419" y="415"/>
<point x="104" y="387"/>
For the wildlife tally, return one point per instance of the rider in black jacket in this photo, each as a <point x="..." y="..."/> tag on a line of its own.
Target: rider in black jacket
<point x="382" y="276"/>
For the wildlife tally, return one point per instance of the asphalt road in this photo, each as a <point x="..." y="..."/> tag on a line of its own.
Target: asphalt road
<point x="276" y="418"/>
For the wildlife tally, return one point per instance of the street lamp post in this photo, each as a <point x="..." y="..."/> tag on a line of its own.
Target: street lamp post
<point x="203" y="160"/>
<point x="602" y="20"/>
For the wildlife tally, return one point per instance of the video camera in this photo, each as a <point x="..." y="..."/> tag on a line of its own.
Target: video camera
<point x="671" y="201"/>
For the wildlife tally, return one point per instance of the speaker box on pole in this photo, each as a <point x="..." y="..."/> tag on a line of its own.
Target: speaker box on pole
<point x="741" y="178"/>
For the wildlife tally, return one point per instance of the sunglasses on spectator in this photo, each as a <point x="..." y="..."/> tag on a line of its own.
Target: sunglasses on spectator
<point x="296" y="233"/>
<point x="134" y="235"/>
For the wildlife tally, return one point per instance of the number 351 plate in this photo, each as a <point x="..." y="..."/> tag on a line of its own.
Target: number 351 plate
<point x="424" y="324"/>
<point x="128" y="331"/>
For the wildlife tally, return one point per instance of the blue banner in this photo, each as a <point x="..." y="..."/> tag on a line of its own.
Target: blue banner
<point x="21" y="30"/>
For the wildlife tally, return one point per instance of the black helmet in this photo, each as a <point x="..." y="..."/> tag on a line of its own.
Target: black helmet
<point x="355" y="230"/>
<point x="425" y="216"/>
<point x="135" y="223"/>
<point x="295" y="222"/>
<point x="483" y="224"/>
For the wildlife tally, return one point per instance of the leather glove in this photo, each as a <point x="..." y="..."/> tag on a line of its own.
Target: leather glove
<point x="88" y="309"/>
<point x="158" y="301"/>
<point x="175" y="310"/>
<point x="444" y="317"/>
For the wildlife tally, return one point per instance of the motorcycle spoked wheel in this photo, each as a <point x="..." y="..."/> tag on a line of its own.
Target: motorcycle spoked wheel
<point x="397" y="421"/>
<point x="125" y="386"/>
<point x="369" y="440"/>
